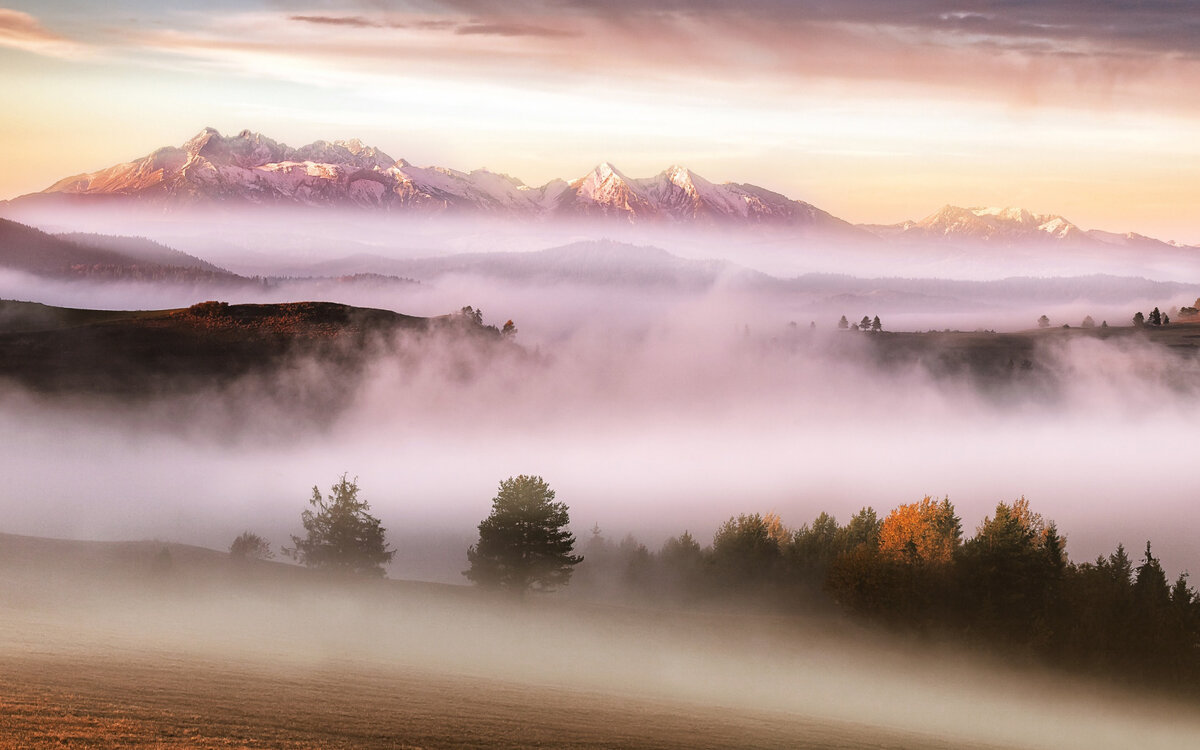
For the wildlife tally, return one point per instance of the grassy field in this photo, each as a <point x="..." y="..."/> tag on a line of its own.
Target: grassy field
<point x="128" y="646"/>
<point x="122" y="700"/>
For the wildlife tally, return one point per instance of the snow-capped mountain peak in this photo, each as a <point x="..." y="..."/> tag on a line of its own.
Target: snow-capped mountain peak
<point x="249" y="168"/>
<point x="988" y="225"/>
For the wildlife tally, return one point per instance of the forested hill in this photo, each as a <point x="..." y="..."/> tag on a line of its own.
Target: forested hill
<point x="53" y="349"/>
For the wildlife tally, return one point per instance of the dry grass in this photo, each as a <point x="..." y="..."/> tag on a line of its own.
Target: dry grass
<point x="127" y="700"/>
<point x="100" y="647"/>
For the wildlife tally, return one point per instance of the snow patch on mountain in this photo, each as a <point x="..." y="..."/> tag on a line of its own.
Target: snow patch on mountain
<point x="250" y="168"/>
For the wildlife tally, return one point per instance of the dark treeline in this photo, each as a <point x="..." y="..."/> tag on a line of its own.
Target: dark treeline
<point x="1009" y="587"/>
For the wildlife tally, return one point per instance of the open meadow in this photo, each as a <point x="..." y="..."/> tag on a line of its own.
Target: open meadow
<point x="152" y="645"/>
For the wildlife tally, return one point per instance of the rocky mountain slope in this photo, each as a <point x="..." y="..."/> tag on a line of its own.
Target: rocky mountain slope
<point x="251" y="169"/>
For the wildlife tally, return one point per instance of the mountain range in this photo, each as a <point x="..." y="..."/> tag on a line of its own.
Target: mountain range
<point x="250" y="169"/>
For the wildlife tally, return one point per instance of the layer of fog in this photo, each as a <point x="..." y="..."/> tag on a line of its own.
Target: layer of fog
<point x="258" y="241"/>
<point x="216" y="621"/>
<point x="648" y="414"/>
<point x="548" y="311"/>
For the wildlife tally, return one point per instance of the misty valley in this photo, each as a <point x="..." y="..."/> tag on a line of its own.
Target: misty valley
<point x="312" y="447"/>
<point x="689" y="414"/>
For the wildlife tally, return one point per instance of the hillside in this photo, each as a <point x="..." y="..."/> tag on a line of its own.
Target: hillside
<point x="163" y="645"/>
<point x="55" y="349"/>
<point x="95" y="257"/>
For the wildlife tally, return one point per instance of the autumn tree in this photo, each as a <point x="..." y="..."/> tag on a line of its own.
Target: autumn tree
<point x="524" y="543"/>
<point x="341" y="535"/>
<point x="925" y="532"/>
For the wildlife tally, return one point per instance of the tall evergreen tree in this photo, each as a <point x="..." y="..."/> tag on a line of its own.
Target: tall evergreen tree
<point x="523" y="544"/>
<point x="341" y="535"/>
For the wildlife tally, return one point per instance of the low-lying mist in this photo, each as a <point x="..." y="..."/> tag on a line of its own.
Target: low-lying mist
<point x="219" y="622"/>
<point x="647" y="414"/>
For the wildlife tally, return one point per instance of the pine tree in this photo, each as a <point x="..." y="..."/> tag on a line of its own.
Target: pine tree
<point x="341" y="535"/>
<point x="523" y="544"/>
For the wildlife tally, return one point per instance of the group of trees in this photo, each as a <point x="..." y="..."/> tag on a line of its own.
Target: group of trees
<point x="1010" y="585"/>
<point x="474" y="317"/>
<point x="866" y="324"/>
<point x="1088" y="322"/>
<point x="1155" y="319"/>
<point x="523" y="544"/>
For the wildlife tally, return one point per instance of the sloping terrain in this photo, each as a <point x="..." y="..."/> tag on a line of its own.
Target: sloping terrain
<point x="79" y="256"/>
<point x="139" y="352"/>
<point x="156" y="645"/>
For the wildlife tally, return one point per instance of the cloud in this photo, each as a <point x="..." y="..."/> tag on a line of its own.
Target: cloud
<point x="356" y="21"/>
<point x="1111" y="55"/>
<point x="512" y="29"/>
<point x="22" y="31"/>
<point x="464" y="29"/>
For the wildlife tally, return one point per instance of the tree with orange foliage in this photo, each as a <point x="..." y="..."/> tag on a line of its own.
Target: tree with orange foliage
<point x="926" y="532"/>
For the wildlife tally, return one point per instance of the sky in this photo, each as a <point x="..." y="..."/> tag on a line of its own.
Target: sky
<point x="876" y="110"/>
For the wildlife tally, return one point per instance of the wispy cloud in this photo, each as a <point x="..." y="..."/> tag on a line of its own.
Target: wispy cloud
<point x="463" y="29"/>
<point x="356" y="21"/>
<point x="23" y="31"/>
<point x="1059" y="52"/>
<point x="512" y="29"/>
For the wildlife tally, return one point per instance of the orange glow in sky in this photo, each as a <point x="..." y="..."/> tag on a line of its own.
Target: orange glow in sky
<point x="872" y="114"/>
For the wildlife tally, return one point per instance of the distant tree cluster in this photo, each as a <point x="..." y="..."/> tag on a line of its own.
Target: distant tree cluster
<point x="1154" y="320"/>
<point x="1010" y="585"/>
<point x="866" y="324"/>
<point x="524" y="544"/>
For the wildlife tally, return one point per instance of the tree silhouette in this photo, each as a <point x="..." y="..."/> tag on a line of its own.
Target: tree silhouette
<point x="1043" y="322"/>
<point x="1155" y="318"/>
<point x="250" y="546"/>
<point x="1139" y="320"/>
<point x="341" y="535"/>
<point x="843" y="323"/>
<point x="523" y="544"/>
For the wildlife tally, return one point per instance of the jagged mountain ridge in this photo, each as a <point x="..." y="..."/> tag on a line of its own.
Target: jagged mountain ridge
<point x="1006" y="226"/>
<point x="251" y="169"/>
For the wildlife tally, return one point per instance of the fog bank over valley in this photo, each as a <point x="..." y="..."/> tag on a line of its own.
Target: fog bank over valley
<point x="673" y="424"/>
